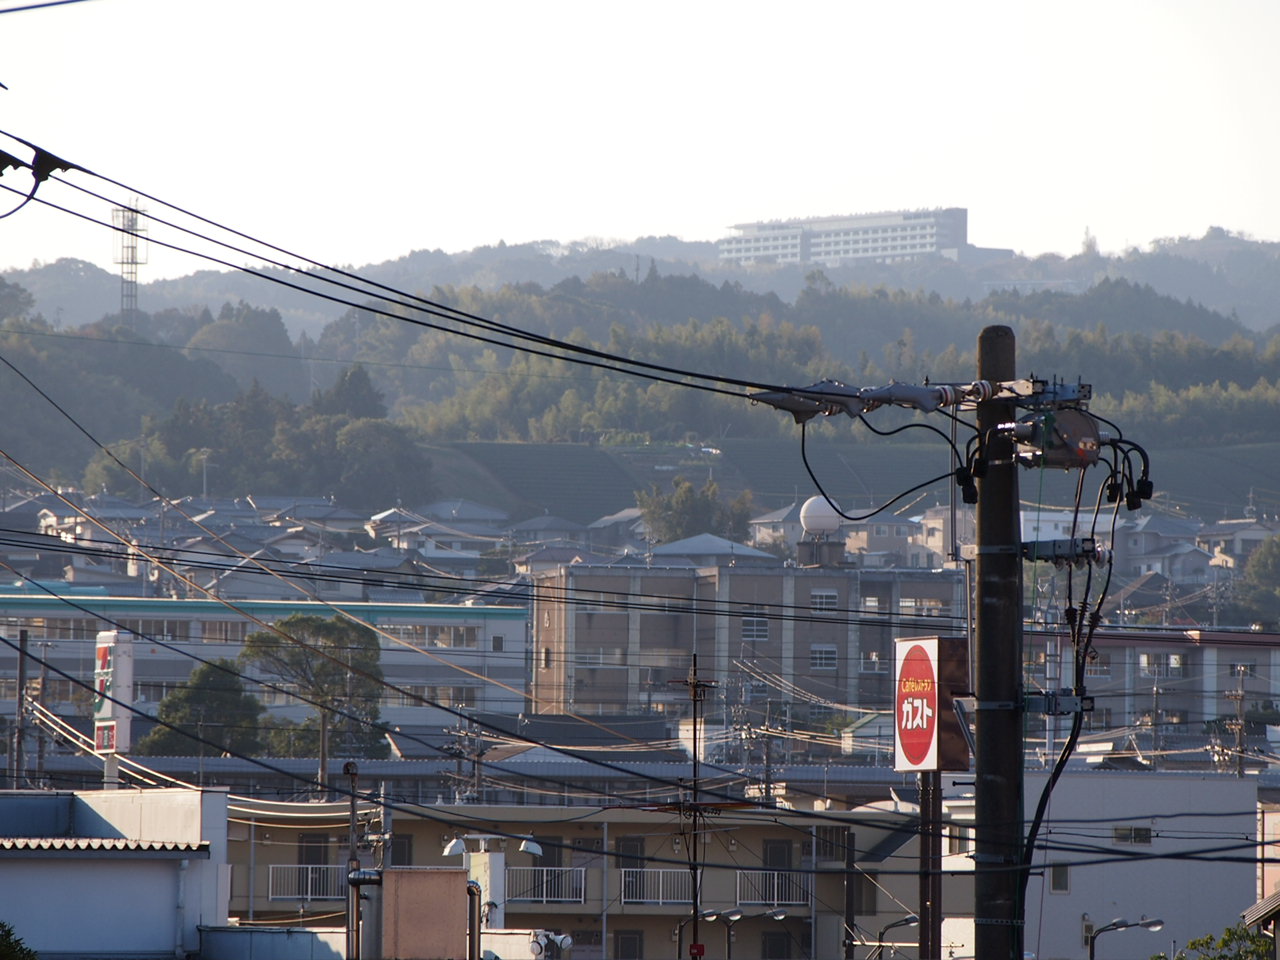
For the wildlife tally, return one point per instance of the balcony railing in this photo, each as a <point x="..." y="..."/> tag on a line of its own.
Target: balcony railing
<point x="546" y="884"/>
<point x="772" y="888"/>
<point x="641" y="885"/>
<point x="290" y="881"/>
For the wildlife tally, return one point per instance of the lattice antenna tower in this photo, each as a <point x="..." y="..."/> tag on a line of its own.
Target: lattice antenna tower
<point x="131" y="251"/>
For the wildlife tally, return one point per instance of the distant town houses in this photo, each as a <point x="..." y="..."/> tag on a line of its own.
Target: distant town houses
<point x="597" y="618"/>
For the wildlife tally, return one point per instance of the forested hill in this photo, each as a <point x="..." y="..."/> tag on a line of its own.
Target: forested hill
<point x="1225" y="272"/>
<point x="228" y="397"/>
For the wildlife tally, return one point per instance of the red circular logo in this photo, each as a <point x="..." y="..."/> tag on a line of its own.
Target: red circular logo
<point x="917" y="705"/>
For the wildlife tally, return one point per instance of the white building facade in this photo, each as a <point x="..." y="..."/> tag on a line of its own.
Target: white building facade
<point x="885" y="237"/>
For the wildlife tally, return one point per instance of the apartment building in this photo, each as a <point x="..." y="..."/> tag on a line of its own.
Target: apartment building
<point x="612" y="639"/>
<point x="885" y="237"/>
<point x="619" y="879"/>
<point x="463" y="657"/>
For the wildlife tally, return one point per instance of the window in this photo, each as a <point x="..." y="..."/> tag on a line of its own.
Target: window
<point x="546" y="658"/>
<point x="831" y="843"/>
<point x="450" y="636"/>
<point x="628" y="945"/>
<point x="823" y="599"/>
<point x="1160" y="664"/>
<point x="1139" y="835"/>
<point x="775" y="945"/>
<point x="401" y="850"/>
<point x="959" y="840"/>
<point x="1242" y="668"/>
<point x="1059" y="878"/>
<point x="754" y="626"/>
<point x="1099" y="664"/>
<point x="875" y="662"/>
<point x="864" y="894"/>
<point x="498" y="642"/>
<point x="822" y="656"/>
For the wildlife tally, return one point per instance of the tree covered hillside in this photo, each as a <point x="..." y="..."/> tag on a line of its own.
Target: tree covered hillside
<point x="351" y="409"/>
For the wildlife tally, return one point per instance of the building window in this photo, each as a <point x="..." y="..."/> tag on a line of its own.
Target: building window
<point x="1160" y="664"/>
<point x="874" y="662"/>
<point x="754" y="627"/>
<point x="823" y="600"/>
<point x="775" y="945"/>
<point x="864" y="894"/>
<point x="959" y="840"/>
<point x="498" y="642"/>
<point x="546" y="658"/>
<point x="1137" y="835"/>
<point x="1059" y="878"/>
<point x="822" y="657"/>
<point x="402" y="849"/>
<point x="831" y="843"/>
<point x="628" y="945"/>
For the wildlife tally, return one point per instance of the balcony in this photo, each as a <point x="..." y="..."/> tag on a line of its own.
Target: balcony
<point x="773" y="888"/>
<point x="640" y="885"/>
<point x="546" y="884"/>
<point x="292" y="881"/>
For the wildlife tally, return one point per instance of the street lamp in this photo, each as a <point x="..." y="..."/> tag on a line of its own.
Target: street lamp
<point x="730" y="917"/>
<point x="704" y="915"/>
<point x="910" y="920"/>
<point x="1121" y="924"/>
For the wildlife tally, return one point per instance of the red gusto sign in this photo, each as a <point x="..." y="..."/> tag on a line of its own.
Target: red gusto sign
<point x="916" y="706"/>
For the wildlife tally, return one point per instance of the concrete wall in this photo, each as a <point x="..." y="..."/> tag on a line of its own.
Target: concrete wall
<point x="119" y="903"/>
<point x="271" y="943"/>
<point x="424" y="913"/>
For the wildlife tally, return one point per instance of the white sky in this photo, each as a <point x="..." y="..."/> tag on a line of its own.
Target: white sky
<point x="355" y="132"/>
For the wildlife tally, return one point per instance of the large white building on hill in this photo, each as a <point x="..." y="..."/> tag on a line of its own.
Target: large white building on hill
<point x="896" y="235"/>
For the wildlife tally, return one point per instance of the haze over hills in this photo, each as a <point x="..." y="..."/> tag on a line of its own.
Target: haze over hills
<point x="1224" y="272"/>
<point x="214" y="361"/>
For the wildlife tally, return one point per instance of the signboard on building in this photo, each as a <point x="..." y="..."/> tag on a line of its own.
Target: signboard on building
<point x="113" y="692"/>
<point x="928" y="673"/>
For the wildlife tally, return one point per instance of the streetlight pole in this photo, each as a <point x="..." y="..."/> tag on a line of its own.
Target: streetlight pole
<point x="1121" y="924"/>
<point x="910" y="920"/>
<point x="730" y="917"/>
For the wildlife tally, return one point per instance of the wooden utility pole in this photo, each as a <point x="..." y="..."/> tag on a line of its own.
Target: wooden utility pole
<point x="998" y="924"/>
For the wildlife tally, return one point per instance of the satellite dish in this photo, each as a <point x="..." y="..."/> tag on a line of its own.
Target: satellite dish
<point x="819" y="517"/>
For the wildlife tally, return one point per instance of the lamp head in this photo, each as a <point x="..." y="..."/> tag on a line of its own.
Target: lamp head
<point x="455" y="847"/>
<point x="529" y="845"/>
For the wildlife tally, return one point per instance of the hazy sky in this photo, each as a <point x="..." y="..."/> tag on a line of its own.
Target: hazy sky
<point x="355" y="132"/>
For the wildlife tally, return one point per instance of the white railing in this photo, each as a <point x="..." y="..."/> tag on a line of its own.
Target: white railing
<point x="546" y="884"/>
<point x="294" y="881"/>
<point x="642" y="885"/>
<point x="773" y="888"/>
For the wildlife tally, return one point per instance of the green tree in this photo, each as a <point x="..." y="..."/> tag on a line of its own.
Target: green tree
<point x="687" y="511"/>
<point x="212" y="706"/>
<point x="334" y="666"/>
<point x="1258" y="592"/>
<point x="1235" y="943"/>
<point x="352" y="396"/>
<point x="12" y="947"/>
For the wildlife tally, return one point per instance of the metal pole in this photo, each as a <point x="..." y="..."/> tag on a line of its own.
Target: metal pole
<point x="998" y="737"/>
<point x="930" y="912"/>
<point x="353" y="864"/>
<point x="20" y="716"/>
<point x="850" y="896"/>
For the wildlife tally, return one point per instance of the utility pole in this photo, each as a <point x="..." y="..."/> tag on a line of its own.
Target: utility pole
<point x="17" y="755"/>
<point x="998" y="930"/>
<point x="1058" y="432"/>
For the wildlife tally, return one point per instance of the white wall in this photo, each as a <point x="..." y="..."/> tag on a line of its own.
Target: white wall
<point x="1185" y="813"/>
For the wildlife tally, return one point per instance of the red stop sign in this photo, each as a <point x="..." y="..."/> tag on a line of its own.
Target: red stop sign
<point x="917" y="706"/>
